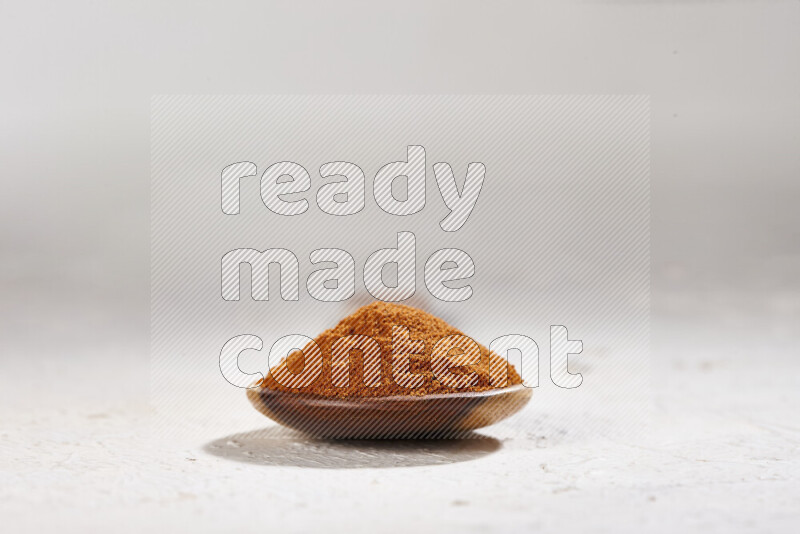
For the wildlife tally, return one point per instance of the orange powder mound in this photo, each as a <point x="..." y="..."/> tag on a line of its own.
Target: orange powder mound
<point x="376" y="320"/>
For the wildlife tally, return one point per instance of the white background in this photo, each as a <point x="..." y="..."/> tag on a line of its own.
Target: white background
<point x="721" y="448"/>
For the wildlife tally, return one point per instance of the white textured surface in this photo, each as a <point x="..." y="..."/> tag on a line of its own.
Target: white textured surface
<point x="721" y="451"/>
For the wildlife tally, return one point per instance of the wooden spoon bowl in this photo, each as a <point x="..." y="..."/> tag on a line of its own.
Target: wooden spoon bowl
<point x="426" y="416"/>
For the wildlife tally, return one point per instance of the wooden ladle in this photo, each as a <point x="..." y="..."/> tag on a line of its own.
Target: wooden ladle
<point x="426" y="416"/>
